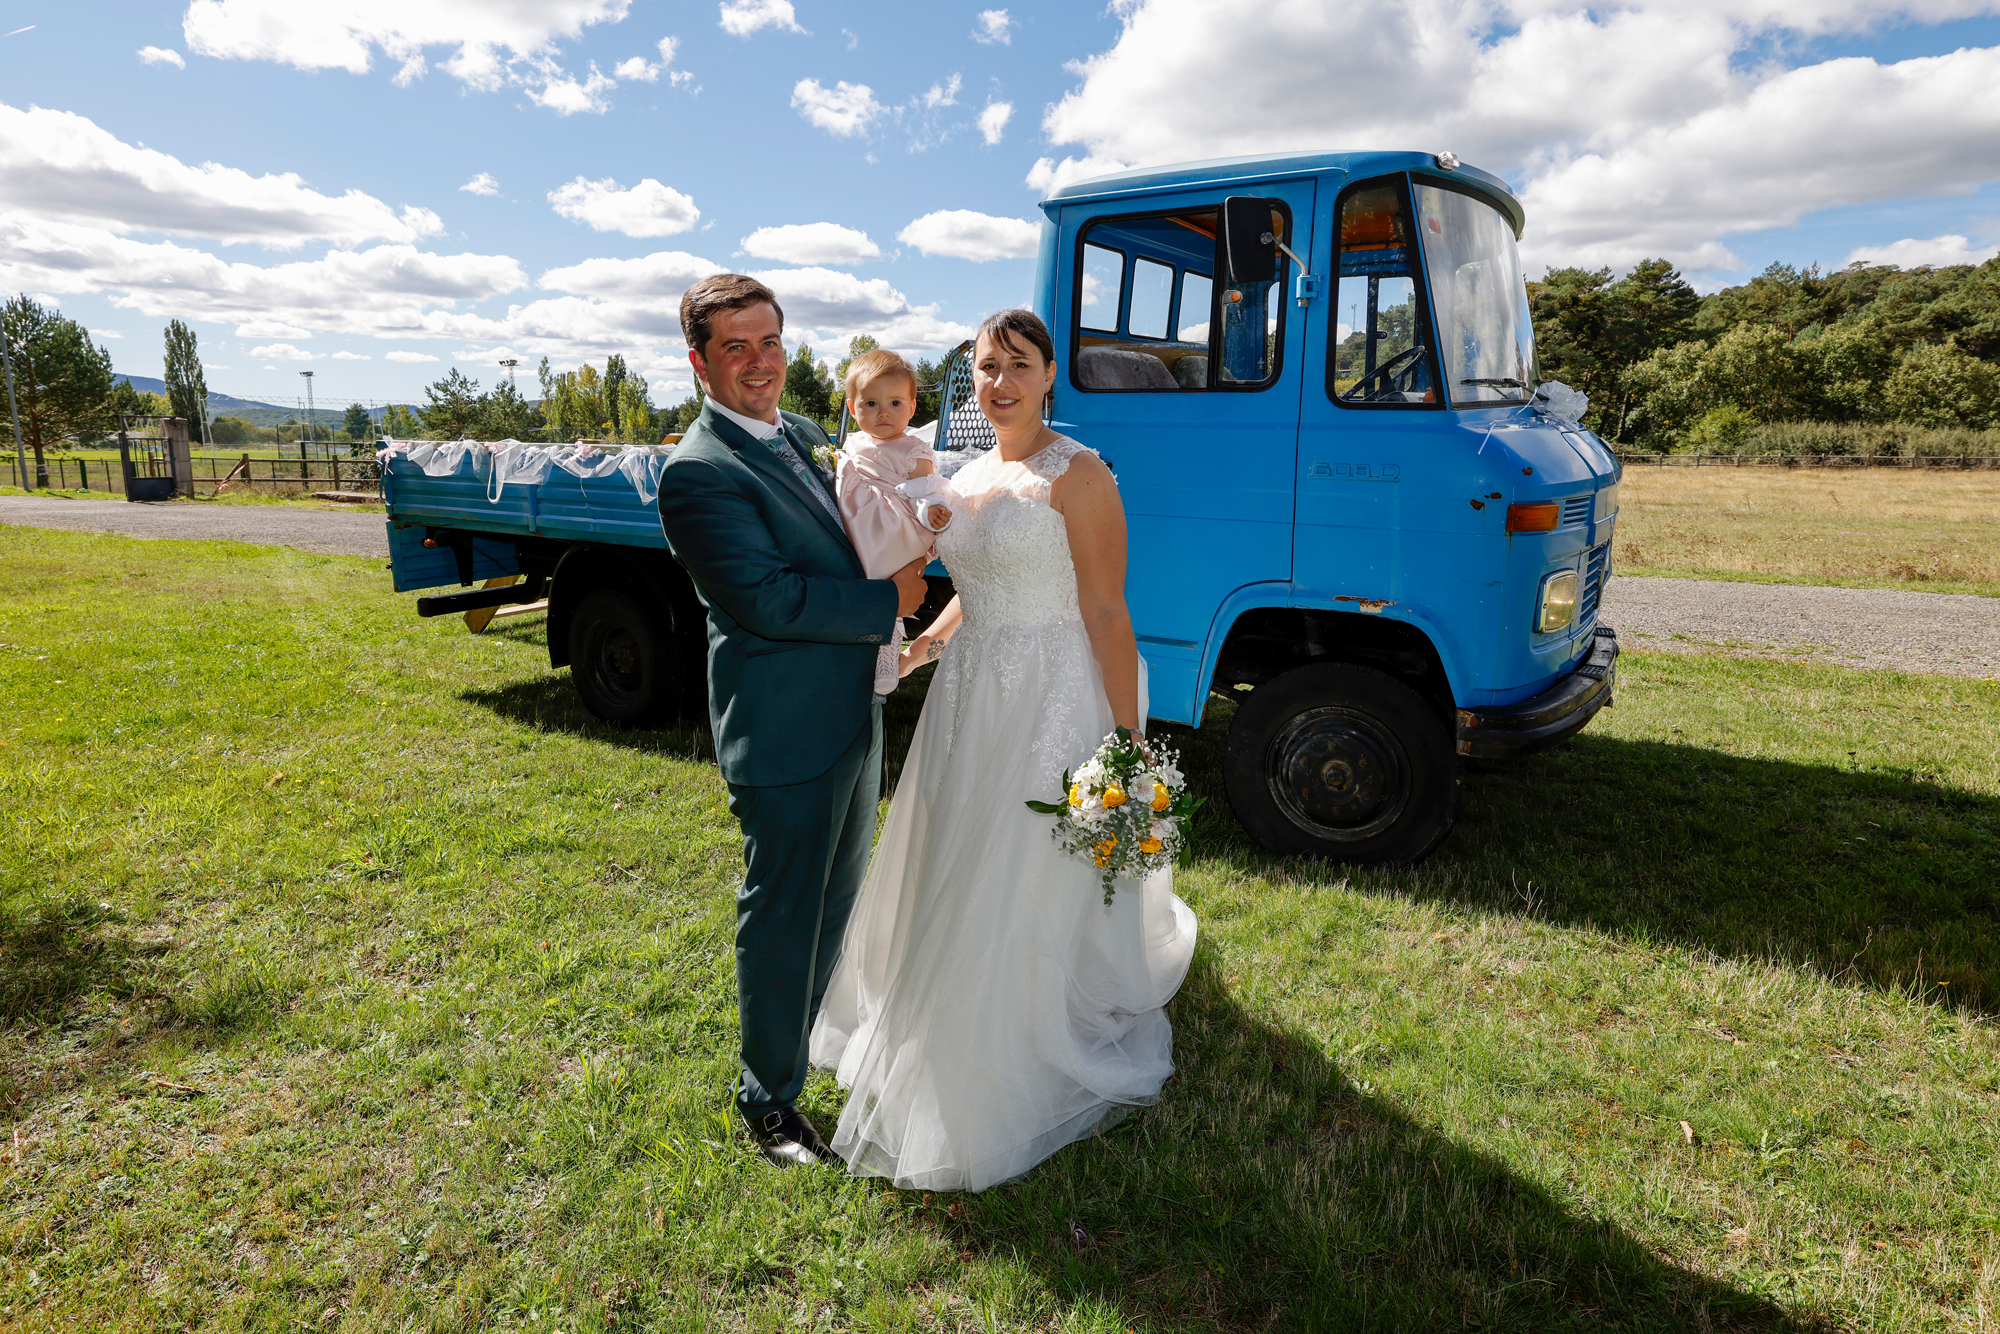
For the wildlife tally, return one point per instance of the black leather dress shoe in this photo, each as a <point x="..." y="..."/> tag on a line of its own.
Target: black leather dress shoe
<point x="789" y="1140"/>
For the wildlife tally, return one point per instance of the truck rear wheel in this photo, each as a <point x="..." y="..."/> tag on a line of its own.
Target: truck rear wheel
<point x="623" y="658"/>
<point x="1342" y="762"/>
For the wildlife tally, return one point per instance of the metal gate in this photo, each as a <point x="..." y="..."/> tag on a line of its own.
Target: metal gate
<point x="154" y="453"/>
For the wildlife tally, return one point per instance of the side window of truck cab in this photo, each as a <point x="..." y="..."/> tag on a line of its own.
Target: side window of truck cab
<point x="1380" y="357"/>
<point x="1150" y="317"/>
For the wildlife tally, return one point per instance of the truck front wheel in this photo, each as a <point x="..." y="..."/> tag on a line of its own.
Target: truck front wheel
<point x="1341" y="762"/>
<point x="622" y="657"/>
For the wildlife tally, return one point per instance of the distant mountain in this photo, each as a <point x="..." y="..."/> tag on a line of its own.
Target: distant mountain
<point x="328" y="415"/>
<point x="217" y="403"/>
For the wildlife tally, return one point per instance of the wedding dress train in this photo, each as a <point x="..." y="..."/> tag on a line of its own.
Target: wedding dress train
<point x="988" y="1007"/>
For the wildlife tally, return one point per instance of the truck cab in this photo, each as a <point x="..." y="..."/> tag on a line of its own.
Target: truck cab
<point x="1312" y="375"/>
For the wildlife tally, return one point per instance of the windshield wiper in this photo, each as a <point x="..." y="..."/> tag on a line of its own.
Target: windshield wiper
<point x="1504" y="384"/>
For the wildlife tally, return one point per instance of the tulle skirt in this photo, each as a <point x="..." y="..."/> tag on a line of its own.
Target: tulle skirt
<point x="988" y="1007"/>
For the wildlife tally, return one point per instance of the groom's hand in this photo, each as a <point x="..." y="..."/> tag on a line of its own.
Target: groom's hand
<point x="910" y="587"/>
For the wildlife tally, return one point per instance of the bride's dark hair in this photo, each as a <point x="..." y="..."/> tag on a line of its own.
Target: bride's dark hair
<point x="1004" y="326"/>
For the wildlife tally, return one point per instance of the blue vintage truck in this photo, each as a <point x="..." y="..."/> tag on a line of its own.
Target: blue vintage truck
<point x="1350" y="513"/>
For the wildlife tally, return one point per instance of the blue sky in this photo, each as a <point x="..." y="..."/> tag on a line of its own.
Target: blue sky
<point x="860" y="155"/>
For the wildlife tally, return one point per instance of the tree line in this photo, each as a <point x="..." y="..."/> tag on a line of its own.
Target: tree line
<point x="1874" y="349"/>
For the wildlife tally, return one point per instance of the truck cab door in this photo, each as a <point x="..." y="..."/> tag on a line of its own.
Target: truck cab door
<point x="1393" y="497"/>
<point x="1189" y="388"/>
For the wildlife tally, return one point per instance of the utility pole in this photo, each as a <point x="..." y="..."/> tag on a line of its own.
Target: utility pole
<point x="304" y="470"/>
<point x="20" y="452"/>
<point x="510" y="363"/>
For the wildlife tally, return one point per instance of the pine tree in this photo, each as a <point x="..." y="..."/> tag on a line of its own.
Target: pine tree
<point x="614" y="377"/>
<point x="455" y="407"/>
<point x="187" y="390"/>
<point x="62" y="381"/>
<point x="356" y="423"/>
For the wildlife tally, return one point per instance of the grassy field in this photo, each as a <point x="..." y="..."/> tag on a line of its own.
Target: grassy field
<point x="1860" y="527"/>
<point x="352" y="979"/>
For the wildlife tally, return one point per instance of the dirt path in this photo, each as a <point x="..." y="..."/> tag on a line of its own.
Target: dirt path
<point x="1953" y="634"/>
<point x="326" y="532"/>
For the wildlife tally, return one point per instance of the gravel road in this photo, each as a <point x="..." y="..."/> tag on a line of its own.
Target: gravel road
<point x="1952" y="634"/>
<point x="326" y="532"/>
<point x="1949" y="633"/>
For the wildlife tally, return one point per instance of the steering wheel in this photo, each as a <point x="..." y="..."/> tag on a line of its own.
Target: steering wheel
<point x="1387" y="368"/>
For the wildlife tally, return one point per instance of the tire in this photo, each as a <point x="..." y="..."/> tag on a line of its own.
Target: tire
<point x="1342" y="762"/>
<point x="624" y="659"/>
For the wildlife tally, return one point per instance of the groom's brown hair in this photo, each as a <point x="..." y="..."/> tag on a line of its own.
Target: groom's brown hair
<point x="719" y="292"/>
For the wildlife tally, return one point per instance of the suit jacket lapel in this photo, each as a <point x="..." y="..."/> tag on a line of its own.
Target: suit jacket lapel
<point x="758" y="455"/>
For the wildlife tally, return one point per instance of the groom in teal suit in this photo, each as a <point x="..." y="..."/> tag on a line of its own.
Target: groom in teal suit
<point x="793" y="630"/>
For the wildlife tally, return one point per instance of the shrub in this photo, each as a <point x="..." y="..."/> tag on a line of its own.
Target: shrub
<point x="1720" y="430"/>
<point x="1938" y="385"/>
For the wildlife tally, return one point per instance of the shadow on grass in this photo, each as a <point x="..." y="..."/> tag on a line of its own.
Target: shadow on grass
<point x="1872" y="875"/>
<point x="1270" y="1189"/>
<point x="52" y="951"/>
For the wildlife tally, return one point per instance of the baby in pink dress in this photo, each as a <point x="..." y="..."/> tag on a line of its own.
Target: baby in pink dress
<point x="892" y="501"/>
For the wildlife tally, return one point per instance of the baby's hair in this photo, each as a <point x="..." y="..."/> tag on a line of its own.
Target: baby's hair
<point x="869" y="367"/>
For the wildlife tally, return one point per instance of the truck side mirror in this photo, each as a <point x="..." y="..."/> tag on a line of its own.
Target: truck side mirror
<point x="1249" y="246"/>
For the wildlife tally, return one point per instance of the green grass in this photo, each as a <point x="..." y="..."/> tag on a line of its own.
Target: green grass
<point x="352" y="979"/>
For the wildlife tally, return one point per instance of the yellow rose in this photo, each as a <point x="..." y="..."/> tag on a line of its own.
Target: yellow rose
<point x="1160" y="796"/>
<point x="1149" y="846"/>
<point x="1076" y="794"/>
<point x="1104" y="850"/>
<point x="1114" y="795"/>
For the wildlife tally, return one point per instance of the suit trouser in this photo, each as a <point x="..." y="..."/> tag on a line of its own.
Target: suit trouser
<point x="805" y="850"/>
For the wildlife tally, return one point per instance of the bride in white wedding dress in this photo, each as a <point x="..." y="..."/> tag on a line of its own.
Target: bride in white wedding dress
<point x="988" y="1007"/>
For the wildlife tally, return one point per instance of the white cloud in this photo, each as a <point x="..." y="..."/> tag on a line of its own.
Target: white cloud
<point x="566" y="96"/>
<point x="346" y="35"/>
<point x="993" y="121"/>
<point x="1911" y="253"/>
<point x="740" y="18"/>
<point x="56" y="166"/>
<point x="1049" y="175"/>
<point x="811" y="243"/>
<point x="647" y="209"/>
<point x="108" y="333"/>
<point x="994" y="25"/>
<point x="844" y="109"/>
<point x="492" y="44"/>
<point x="352" y="356"/>
<point x="944" y="95"/>
<point x="482" y="184"/>
<point x="1703" y="132"/>
<point x="962" y="234"/>
<point x="411" y="357"/>
<point x="665" y="274"/>
<point x="284" y="352"/>
<point x="641" y="70"/>
<point x="160" y="55"/>
<point x="271" y="329"/>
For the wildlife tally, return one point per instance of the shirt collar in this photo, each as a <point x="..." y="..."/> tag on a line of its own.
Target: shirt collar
<point x="759" y="430"/>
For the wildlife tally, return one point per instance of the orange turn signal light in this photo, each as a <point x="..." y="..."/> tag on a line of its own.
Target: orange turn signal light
<point x="1537" y="518"/>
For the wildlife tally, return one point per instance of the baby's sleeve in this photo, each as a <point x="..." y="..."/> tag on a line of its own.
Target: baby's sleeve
<point x="880" y="521"/>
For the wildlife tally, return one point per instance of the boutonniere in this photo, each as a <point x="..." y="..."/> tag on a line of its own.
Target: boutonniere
<point x="827" y="459"/>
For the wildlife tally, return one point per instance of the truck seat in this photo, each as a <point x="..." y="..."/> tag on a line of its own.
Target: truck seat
<point x="1191" y="372"/>
<point x="1116" y="368"/>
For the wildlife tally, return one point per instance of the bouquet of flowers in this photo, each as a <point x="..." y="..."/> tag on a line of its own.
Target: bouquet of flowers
<point x="1126" y="809"/>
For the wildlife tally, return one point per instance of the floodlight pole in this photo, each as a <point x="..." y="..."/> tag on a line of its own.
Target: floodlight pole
<point x="20" y="452"/>
<point x="304" y="468"/>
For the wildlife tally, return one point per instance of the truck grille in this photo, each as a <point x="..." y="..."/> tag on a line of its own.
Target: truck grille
<point x="1594" y="571"/>
<point x="1577" y="509"/>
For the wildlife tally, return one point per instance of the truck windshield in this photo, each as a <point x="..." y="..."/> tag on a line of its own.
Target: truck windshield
<point x="1478" y="297"/>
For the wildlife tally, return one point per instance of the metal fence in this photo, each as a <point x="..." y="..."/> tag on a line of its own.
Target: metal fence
<point x="1944" y="462"/>
<point x="222" y="473"/>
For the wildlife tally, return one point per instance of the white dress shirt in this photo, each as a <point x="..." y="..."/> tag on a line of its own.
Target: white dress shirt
<point x="759" y="430"/>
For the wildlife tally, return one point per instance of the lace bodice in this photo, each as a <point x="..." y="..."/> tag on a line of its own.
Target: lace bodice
<point x="1006" y="549"/>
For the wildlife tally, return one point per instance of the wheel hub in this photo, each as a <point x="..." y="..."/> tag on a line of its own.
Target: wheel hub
<point x="619" y="665"/>
<point x="1338" y="774"/>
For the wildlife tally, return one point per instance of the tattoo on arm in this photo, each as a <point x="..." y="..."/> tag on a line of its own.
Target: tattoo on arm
<point x="931" y="653"/>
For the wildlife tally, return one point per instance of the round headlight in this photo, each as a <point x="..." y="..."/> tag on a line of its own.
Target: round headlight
<point x="1448" y="160"/>
<point x="1557" y="607"/>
